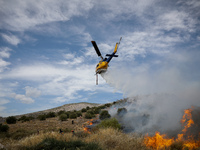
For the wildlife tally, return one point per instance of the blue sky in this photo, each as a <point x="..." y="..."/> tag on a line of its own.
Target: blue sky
<point x="47" y="59"/>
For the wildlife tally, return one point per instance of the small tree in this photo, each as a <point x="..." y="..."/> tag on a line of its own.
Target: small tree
<point x="4" y="128"/>
<point x="110" y="123"/>
<point x="78" y="113"/>
<point x="104" y="114"/>
<point x="11" y="120"/>
<point x="63" y="117"/>
<point x="73" y="115"/>
<point x="42" y="117"/>
<point x="87" y="107"/>
<point x="88" y="115"/>
<point x="121" y="111"/>
<point x="83" y="110"/>
<point x="50" y="114"/>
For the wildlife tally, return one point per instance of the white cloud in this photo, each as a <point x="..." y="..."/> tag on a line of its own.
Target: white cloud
<point x="22" y="98"/>
<point x="12" y="39"/>
<point x="28" y="14"/>
<point x="3" y="101"/>
<point x="32" y="92"/>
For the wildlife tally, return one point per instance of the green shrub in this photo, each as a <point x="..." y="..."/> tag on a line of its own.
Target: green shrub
<point x="61" y="112"/>
<point x="110" y="123"/>
<point x="72" y="115"/>
<point x="87" y="107"/>
<point x="42" y="117"/>
<point x="51" y="143"/>
<point x="78" y="113"/>
<point x="91" y="112"/>
<point x="108" y="105"/>
<point x="102" y="107"/>
<point x="104" y="114"/>
<point x="88" y="116"/>
<point x="63" y="117"/>
<point x="50" y="114"/>
<point x="21" y="133"/>
<point x="11" y="120"/>
<point x="83" y="110"/>
<point x="121" y="111"/>
<point x="97" y="110"/>
<point x="4" y="128"/>
<point x="24" y="118"/>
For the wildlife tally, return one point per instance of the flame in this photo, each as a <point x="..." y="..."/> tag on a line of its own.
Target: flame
<point x="187" y="116"/>
<point x="159" y="141"/>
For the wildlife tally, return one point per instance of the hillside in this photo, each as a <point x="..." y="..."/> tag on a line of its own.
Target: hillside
<point x="66" y="107"/>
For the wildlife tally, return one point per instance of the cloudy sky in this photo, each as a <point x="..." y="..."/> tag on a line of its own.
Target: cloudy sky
<point x="47" y="59"/>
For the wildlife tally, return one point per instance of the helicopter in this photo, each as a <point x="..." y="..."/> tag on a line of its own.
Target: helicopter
<point x="103" y="63"/>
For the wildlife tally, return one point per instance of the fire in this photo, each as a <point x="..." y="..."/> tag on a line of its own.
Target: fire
<point x="159" y="141"/>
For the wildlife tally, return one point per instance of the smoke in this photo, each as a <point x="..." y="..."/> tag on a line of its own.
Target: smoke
<point x="156" y="99"/>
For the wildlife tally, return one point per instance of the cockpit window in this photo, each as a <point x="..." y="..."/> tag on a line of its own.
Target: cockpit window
<point x="97" y="65"/>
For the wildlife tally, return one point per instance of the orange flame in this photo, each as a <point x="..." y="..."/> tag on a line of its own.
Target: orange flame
<point x="161" y="141"/>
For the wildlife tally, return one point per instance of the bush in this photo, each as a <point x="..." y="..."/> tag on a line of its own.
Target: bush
<point x="83" y="110"/>
<point x="96" y="111"/>
<point x="121" y="111"/>
<point x="63" y="117"/>
<point x="73" y="115"/>
<point x="88" y="116"/>
<point x="4" y="128"/>
<point x="78" y="113"/>
<point x="110" y="123"/>
<point x="51" y="143"/>
<point x="24" y="118"/>
<point x="61" y="112"/>
<point x="21" y="133"/>
<point x="104" y="114"/>
<point x="87" y="107"/>
<point x="42" y="117"/>
<point x="50" y="114"/>
<point x="108" y="105"/>
<point x="11" y="120"/>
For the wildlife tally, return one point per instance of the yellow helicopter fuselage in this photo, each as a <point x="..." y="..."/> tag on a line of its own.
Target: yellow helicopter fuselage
<point x="101" y="66"/>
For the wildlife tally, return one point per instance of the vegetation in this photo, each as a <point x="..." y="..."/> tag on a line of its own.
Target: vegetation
<point x="88" y="116"/>
<point x="121" y="111"/>
<point x="63" y="117"/>
<point x="110" y="123"/>
<point x="11" y="120"/>
<point x="50" y="115"/>
<point x="72" y="115"/>
<point x="4" y="128"/>
<point x="25" y="118"/>
<point x="104" y="114"/>
<point x="42" y="117"/>
<point x="106" y="139"/>
<point x="83" y="110"/>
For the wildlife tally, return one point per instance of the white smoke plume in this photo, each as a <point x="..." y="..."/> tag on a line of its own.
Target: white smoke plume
<point x="156" y="100"/>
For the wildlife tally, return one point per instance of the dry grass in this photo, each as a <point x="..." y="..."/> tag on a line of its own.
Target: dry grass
<point x="112" y="139"/>
<point x="108" y="139"/>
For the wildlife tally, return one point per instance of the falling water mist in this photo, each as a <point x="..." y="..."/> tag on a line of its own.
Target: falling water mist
<point x="156" y="100"/>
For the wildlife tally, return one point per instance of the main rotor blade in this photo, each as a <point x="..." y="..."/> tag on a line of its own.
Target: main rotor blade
<point x="96" y="48"/>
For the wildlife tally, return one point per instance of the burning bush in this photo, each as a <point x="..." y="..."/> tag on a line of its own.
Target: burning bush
<point x="104" y="114"/>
